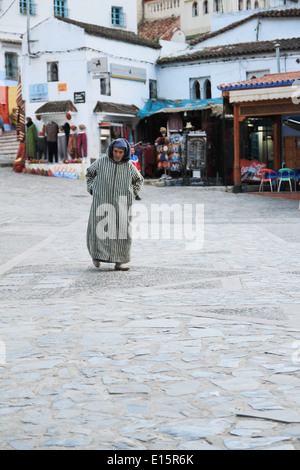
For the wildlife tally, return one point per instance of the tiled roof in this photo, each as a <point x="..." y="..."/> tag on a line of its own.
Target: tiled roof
<point x="287" y="13"/>
<point x="112" y="33"/>
<point x="233" y="50"/>
<point x="115" y="108"/>
<point x="56" y="107"/>
<point x="163" y="28"/>
<point x="271" y="80"/>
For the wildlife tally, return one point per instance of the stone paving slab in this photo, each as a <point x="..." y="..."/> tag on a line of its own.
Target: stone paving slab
<point x="187" y="350"/>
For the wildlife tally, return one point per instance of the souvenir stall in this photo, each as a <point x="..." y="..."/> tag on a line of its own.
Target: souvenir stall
<point x="62" y="148"/>
<point x="194" y="131"/>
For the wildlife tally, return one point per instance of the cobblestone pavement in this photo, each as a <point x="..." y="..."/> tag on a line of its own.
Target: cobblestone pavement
<point x="190" y="349"/>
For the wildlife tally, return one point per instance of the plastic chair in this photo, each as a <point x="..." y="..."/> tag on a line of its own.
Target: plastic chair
<point x="267" y="176"/>
<point x="297" y="177"/>
<point x="286" y="175"/>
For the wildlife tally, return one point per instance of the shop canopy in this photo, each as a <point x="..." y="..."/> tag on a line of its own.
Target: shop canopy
<point x="177" y="106"/>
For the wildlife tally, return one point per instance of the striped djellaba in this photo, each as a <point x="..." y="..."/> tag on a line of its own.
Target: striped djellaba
<point x="113" y="187"/>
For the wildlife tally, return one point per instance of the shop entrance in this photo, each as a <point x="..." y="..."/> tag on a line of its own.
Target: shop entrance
<point x="257" y="140"/>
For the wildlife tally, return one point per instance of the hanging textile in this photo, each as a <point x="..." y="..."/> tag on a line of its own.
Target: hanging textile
<point x="12" y="98"/>
<point x="4" y="106"/>
<point x="21" y="111"/>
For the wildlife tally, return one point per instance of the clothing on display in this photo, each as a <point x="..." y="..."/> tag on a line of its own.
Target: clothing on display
<point x="82" y="142"/>
<point x="52" y="131"/>
<point x="31" y="139"/>
<point x="135" y="160"/>
<point x="72" y="145"/>
<point x="62" y="144"/>
<point x="41" y="146"/>
<point x="175" y="123"/>
<point x="66" y="128"/>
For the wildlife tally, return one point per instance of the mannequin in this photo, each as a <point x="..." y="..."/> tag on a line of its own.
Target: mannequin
<point x="52" y="130"/>
<point x="82" y="142"/>
<point x="72" y="145"/>
<point x="41" y="146"/>
<point x="62" y="144"/>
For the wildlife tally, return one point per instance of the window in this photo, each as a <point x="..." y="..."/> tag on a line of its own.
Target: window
<point x="195" y="90"/>
<point x="52" y="71"/>
<point x="11" y="65"/>
<point x="205" y="8"/>
<point x="257" y="74"/>
<point x="152" y="89"/>
<point x="207" y="89"/>
<point x="60" y="8"/>
<point x="195" y="9"/>
<point x="23" y="7"/>
<point x="105" y="85"/>
<point x="216" y="6"/>
<point x="117" y="16"/>
<point x="241" y="5"/>
<point x="200" y="88"/>
<point x="248" y="6"/>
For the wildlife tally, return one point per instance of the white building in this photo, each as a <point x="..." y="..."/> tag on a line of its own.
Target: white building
<point x="100" y="76"/>
<point x="233" y="53"/>
<point x="202" y="16"/>
<point x="15" y="20"/>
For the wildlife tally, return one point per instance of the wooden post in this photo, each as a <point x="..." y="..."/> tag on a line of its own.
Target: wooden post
<point x="277" y="142"/>
<point x="237" y="147"/>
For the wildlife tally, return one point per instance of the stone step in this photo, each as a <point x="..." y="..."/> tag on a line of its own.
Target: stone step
<point x="9" y="146"/>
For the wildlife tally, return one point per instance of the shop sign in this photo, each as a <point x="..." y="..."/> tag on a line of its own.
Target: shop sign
<point x="196" y="151"/>
<point x="79" y="97"/>
<point x="62" y="87"/>
<point x="128" y="73"/>
<point x="38" y="92"/>
<point x="98" y="65"/>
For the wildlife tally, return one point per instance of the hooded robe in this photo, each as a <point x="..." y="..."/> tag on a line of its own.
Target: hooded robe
<point x="31" y="140"/>
<point x="113" y="187"/>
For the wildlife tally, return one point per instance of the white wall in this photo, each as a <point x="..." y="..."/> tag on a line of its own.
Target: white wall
<point x="228" y="71"/>
<point x="73" y="70"/>
<point x="269" y="29"/>
<point x="89" y="11"/>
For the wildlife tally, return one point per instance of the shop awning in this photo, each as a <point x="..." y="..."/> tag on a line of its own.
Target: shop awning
<point x="116" y="109"/>
<point x="57" y="107"/>
<point x="177" y="106"/>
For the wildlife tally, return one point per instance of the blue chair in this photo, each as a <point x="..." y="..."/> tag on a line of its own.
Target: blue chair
<point x="297" y="178"/>
<point x="286" y="175"/>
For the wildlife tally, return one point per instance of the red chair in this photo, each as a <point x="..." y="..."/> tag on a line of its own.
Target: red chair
<point x="267" y="176"/>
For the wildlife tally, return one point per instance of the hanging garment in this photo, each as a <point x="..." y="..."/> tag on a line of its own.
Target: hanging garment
<point x="31" y="139"/>
<point x="52" y="152"/>
<point x="135" y="160"/>
<point x="12" y="98"/>
<point x="41" y="146"/>
<point x="72" y="145"/>
<point x="4" y="113"/>
<point x="175" y="123"/>
<point x="62" y="146"/>
<point x="52" y="131"/>
<point x="82" y="145"/>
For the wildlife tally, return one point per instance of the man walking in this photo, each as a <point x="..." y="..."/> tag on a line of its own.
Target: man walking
<point x="113" y="182"/>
